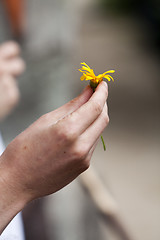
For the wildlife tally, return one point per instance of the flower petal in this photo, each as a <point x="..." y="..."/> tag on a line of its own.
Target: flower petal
<point x="83" y="77"/>
<point x="81" y="70"/>
<point x="109" y="78"/>
<point x="92" y="73"/>
<point x="86" y="69"/>
<point x="100" y="76"/>
<point x="89" y="77"/>
<point x="88" y="74"/>
<point x="110" y="71"/>
<point x="83" y="63"/>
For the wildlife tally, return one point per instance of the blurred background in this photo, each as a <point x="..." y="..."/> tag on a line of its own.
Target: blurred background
<point x="55" y="36"/>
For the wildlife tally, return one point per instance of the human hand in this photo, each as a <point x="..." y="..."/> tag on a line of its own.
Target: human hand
<point x="11" y="65"/>
<point x="56" y="148"/>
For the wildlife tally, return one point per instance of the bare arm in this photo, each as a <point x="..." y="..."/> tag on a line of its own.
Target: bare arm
<point x="52" y="152"/>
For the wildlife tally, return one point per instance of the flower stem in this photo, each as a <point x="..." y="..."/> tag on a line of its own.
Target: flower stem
<point x="104" y="146"/>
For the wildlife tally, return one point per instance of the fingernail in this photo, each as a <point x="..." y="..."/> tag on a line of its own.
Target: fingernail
<point x="105" y="84"/>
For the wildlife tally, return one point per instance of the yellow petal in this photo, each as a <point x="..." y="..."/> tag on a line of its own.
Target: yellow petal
<point x="111" y="77"/>
<point x="81" y="70"/>
<point x="100" y="76"/>
<point x="89" y="77"/>
<point x="83" y="63"/>
<point x="83" y="77"/>
<point x="89" y="74"/>
<point x="92" y="73"/>
<point x="108" y="78"/>
<point x="110" y="71"/>
<point x="86" y="69"/>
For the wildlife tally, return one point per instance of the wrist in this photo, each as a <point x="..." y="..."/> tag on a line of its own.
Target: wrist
<point x="12" y="199"/>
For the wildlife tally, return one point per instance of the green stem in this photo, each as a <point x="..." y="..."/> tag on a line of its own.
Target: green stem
<point x="104" y="146"/>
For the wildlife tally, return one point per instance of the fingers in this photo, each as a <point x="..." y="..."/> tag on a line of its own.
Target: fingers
<point x="9" y="94"/>
<point x="90" y="153"/>
<point x="14" y="67"/>
<point x="90" y="136"/>
<point x="84" y="154"/>
<point x="9" y="89"/>
<point x="9" y="50"/>
<point x="83" y="117"/>
<point x="10" y="63"/>
<point x="86" y="143"/>
<point x="72" y="106"/>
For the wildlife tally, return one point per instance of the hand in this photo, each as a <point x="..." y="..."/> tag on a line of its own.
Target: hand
<point x="57" y="147"/>
<point x="52" y="152"/>
<point x="11" y="65"/>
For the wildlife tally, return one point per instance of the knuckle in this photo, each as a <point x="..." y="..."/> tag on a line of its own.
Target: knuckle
<point x="70" y="135"/>
<point x="47" y="120"/>
<point x="70" y="129"/>
<point x="106" y="118"/>
<point x="81" y="157"/>
<point x="80" y="153"/>
<point x="67" y="134"/>
<point x="63" y="134"/>
<point x="97" y="107"/>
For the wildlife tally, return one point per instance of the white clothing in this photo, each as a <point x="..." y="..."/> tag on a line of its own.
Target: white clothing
<point x="14" y="230"/>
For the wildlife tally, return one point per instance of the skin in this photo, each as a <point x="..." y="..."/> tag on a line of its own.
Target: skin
<point x="52" y="152"/>
<point x="11" y="65"/>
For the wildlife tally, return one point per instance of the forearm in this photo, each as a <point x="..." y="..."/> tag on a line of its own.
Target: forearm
<point x="11" y="200"/>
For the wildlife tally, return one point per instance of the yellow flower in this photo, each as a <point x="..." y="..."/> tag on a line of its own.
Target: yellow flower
<point x="88" y="74"/>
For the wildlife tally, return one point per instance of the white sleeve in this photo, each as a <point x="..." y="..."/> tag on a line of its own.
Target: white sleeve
<point x="1" y="145"/>
<point x="14" y="230"/>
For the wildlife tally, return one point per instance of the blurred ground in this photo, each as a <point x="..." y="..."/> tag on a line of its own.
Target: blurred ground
<point x="60" y="35"/>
